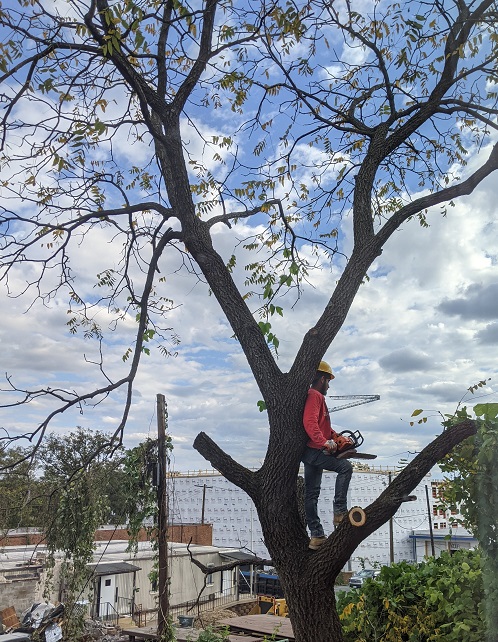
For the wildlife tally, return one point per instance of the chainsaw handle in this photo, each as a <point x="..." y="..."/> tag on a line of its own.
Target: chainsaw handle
<point x="356" y="437"/>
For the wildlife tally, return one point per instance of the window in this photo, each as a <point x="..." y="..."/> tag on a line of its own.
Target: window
<point x="108" y="582"/>
<point x="209" y="577"/>
<point x="436" y="525"/>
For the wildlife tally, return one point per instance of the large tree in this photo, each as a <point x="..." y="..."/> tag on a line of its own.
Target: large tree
<point x="390" y="125"/>
<point x="31" y="487"/>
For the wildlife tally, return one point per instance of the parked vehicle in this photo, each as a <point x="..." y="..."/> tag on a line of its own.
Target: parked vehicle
<point x="263" y="583"/>
<point x="357" y="579"/>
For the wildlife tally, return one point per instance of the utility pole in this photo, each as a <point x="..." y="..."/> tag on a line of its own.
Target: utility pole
<point x="204" y="486"/>
<point x="162" y="518"/>
<point x="391" y="534"/>
<point x="430" y="520"/>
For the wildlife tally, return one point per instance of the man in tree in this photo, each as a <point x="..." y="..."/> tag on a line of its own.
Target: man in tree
<point x="320" y="455"/>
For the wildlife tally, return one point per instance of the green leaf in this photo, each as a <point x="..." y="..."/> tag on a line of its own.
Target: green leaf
<point x="265" y="327"/>
<point x="487" y="410"/>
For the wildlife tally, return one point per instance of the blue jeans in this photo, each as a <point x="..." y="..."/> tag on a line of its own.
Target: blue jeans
<point x="315" y="462"/>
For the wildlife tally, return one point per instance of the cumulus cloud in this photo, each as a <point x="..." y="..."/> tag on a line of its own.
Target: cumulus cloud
<point x="406" y="360"/>
<point x="488" y="335"/>
<point x="478" y="302"/>
<point x="443" y="391"/>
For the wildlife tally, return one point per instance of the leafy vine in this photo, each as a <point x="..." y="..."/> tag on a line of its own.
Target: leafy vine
<point x="472" y="488"/>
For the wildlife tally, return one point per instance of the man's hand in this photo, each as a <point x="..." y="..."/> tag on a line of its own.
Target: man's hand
<point x="330" y="446"/>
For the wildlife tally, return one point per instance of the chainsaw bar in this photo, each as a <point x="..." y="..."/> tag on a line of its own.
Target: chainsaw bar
<point x="352" y="454"/>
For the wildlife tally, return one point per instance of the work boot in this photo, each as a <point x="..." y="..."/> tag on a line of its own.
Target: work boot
<point x="339" y="517"/>
<point x="316" y="542"/>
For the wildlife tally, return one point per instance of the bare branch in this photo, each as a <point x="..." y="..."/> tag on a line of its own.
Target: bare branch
<point x="232" y="470"/>
<point x="425" y="202"/>
<point x="253" y="560"/>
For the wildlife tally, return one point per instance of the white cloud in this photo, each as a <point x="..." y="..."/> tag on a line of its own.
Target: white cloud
<point x="418" y="334"/>
<point x="209" y="387"/>
<point x="354" y="54"/>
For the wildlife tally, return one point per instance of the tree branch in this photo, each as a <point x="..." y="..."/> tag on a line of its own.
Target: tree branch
<point x="459" y="189"/>
<point x="203" y="56"/>
<point x="228" y="467"/>
<point x="226" y="218"/>
<point x="346" y="538"/>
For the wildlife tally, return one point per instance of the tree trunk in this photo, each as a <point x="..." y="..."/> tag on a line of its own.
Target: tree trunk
<point x="313" y="610"/>
<point x="308" y="585"/>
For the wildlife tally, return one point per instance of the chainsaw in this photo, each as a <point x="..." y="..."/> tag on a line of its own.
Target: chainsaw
<point x="348" y="451"/>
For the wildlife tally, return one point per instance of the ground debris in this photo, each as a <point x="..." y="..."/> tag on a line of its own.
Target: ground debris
<point x="211" y="618"/>
<point x="95" y="631"/>
<point x="8" y="618"/>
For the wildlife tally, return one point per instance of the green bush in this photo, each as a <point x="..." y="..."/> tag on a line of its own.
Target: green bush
<point x="438" y="600"/>
<point x="210" y="634"/>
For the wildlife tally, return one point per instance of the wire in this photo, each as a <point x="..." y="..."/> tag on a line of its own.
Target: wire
<point x="150" y="422"/>
<point x="92" y="576"/>
<point x="410" y="528"/>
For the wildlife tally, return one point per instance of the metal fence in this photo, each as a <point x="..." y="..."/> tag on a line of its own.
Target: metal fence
<point x="108" y="614"/>
<point x="124" y="606"/>
<point x="203" y="605"/>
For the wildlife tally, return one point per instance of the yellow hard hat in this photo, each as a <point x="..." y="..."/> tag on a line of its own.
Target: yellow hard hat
<point x="324" y="367"/>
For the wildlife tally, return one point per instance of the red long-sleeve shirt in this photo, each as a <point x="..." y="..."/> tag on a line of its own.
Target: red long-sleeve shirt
<point x="316" y="420"/>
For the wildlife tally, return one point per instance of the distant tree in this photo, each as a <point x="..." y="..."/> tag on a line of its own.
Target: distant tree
<point x="19" y="490"/>
<point x="85" y="453"/>
<point x="90" y="87"/>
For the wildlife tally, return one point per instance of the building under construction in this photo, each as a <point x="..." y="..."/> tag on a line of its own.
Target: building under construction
<point x="206" y="496"/>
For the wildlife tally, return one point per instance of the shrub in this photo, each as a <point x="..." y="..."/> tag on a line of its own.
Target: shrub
<point x="438" y="600"/>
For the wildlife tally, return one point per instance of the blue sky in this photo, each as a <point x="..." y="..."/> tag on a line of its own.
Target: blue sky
<point x="422" y="329"/>
<point x="419" y="334"/>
